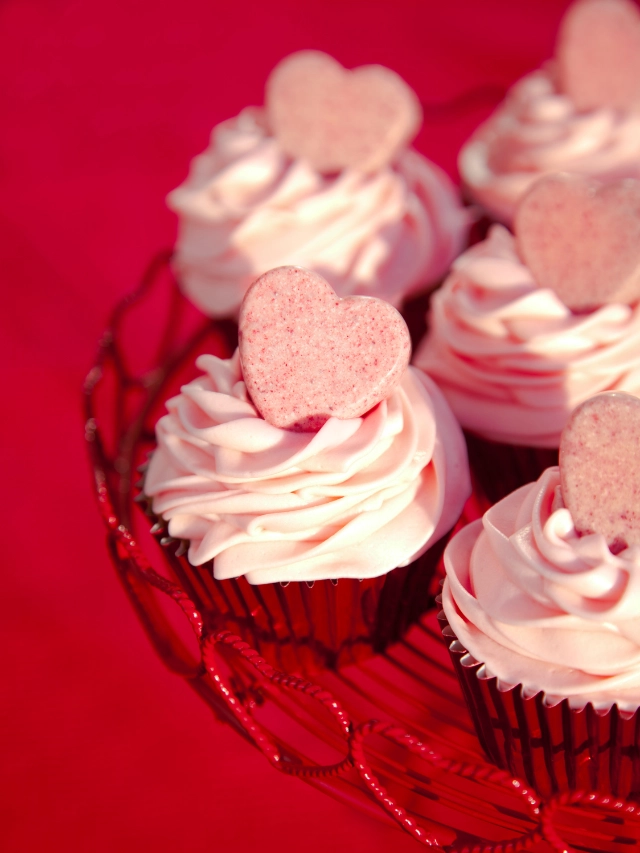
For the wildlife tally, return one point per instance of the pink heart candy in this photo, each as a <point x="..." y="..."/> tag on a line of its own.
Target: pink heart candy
<point x="308" y="356"/>
<point x="600" y="468"/>
<point x="598" y="54"/>
<point x="337" y="119"/>
<point x="581" y="238"/>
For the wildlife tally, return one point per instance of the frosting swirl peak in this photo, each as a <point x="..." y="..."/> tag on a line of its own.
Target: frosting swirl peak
<point x="246" y="207"/>
<point x="543" y="607"/>
<point x="536" y="131"/>
<point x="356" y="499"/>
<point x="512" y="360"/>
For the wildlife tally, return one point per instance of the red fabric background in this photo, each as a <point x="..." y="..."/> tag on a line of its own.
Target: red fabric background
<point x="102" y="107"/>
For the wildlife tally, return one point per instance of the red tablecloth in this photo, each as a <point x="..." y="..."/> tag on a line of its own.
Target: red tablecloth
<point x="102" y="106"/>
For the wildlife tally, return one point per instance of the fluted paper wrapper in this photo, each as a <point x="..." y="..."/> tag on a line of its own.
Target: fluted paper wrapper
<point x="303" y="628"/>
<point x="554" y="747"/>
<point x="499" y="469"/>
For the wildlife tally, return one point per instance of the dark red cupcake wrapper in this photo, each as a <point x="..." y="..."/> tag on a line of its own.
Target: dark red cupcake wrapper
<point x="304" y="627"/>
<point x="499" y="469"/>
<point x="554" y="748"/>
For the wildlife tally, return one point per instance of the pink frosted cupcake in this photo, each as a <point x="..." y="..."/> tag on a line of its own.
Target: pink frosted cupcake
<point x="311" y="475"/>
<point x="321" y="177"/>
<point x="579" y="113"/>
<point x="542" y="610"/>
<point x="526" y="327"/>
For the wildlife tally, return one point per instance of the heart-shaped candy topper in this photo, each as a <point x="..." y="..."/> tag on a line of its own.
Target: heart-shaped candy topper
<point x="598" y="54"/>
<point x="600" y="468"/>
<point x="581" y="238"/>
<point x="308" y="356"/>
<point x="337" y="119"/>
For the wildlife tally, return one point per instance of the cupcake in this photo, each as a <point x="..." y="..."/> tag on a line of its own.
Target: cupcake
<point x="580" y="112"/>
<point x="312" y="476"/>
<point x="541" y="609"/>
<point x="526" y="327"/>
<point x="321" y="177"/>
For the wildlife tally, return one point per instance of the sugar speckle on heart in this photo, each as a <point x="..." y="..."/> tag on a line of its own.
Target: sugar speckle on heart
<point x="598" y="55"/>
<point x="308" y="356"/>
<point x="581" y="238"/>
<point x="600" y="468"/>
<point x="336" y="119"/>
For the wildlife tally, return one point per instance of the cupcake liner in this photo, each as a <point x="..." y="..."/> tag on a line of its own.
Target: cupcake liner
<point x="303" y="627"/>
<point x="553" y="746"/>
<point x="499" y="469"/>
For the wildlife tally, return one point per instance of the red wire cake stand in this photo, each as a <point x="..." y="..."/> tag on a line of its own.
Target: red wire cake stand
<point x="388" y="734"/>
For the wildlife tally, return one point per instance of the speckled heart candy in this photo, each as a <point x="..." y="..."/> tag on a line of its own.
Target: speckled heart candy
<point x="336" y="119"/>
<point x="308" y="355"/>
<point x="581" y="238"/>
<point x="600" y="468"/>
<point x="598" y="54"/>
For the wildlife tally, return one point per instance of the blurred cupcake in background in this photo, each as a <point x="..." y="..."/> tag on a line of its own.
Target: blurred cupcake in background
<point x="527" y="327"/>
<point x="580" y="112"/>
<point x="322" y="176"/>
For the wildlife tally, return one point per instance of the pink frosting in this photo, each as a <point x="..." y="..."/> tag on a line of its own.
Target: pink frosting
<point x="512" y="360"/>
<point x="542" y="607"/>
<point x="537" y="131"/>
<point x="356" y="499"/>
<point x="246" y="207"/>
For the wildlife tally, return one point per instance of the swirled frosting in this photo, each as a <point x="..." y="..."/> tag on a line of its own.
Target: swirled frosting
<point x="540" y="606"/>
<point x="512" y="360"/>
<point x="246" y="207"/>
<point x="537" y="131"/>
<point x="356" y="499"/>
